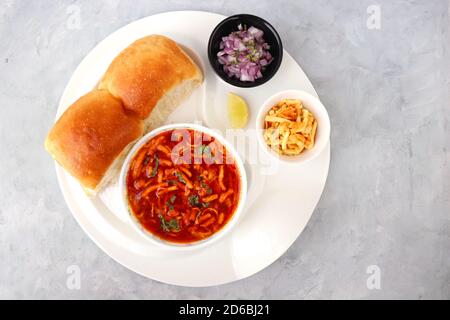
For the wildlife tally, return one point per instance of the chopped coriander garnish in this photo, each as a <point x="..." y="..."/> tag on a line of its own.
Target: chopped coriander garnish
<point x="205" y="186"/>
<point x="204" y="149"/>
<point x="207" y="151"/>
<point x="199" y="150"/>
<point x="180" y="177"/>
<point x="170" y="202"/>
<point x="155" y="169"/>
<point x="169" y="205"/>
<point x="194" y="201"/>
<point x="146" y="160"/>
<point x="174" y="225"/>
<point x="171" y="225"/>
<point x="171" y="182"/>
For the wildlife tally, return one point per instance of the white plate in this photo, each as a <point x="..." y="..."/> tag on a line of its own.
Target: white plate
<point x="278" y="206"/>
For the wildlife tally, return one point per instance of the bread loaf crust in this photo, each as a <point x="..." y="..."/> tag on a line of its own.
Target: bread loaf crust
<point x="143" y="73"/>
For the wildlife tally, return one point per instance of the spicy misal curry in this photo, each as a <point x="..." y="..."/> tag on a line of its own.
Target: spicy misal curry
<point x="181" y="188"/>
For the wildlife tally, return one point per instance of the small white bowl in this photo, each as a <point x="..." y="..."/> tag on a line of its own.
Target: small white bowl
<point x="198" y="244"/>
<point x="315" y="107"/>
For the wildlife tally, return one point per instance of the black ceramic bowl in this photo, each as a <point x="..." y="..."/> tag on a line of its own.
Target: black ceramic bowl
<point x="229" y="25"/>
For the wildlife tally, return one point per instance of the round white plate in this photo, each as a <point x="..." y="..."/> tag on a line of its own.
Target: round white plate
<point x="280" y="199"/>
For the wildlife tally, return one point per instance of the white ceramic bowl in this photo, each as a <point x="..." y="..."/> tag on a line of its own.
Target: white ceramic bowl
<point x="216" y="236"/>
<point x="317" y="109"/>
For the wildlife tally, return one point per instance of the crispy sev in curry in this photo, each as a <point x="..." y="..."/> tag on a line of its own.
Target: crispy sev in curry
<point x="289" y="128"/>
<point x="183" y="191"/>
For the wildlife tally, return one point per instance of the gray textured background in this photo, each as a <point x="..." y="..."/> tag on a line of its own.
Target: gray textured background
<point x="387" y="199"/>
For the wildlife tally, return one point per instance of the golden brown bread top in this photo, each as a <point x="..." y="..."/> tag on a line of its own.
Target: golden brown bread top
<point x="89" y="136"/>
<point x="142" y="73"/>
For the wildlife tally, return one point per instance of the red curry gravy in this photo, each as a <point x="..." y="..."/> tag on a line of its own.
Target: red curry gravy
<point x="183" y="186"/>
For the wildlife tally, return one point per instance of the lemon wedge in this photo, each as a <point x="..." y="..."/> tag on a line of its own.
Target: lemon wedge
<point x="237" y="111"/>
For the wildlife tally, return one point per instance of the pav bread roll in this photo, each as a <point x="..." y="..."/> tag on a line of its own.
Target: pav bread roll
<point x="90" y="139"/>
<point x="152" y="77"/>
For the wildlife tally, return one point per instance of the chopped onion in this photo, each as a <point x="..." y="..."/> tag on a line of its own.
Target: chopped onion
<point x="244" y="54"/>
